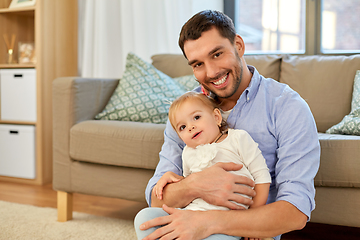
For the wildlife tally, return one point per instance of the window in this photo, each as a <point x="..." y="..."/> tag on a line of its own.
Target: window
<point x="340" y="31"/>
<point x="297" y="26"/>
<point x="271" y="26"/>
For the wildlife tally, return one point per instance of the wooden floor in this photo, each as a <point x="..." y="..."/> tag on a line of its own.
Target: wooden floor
<point x="45" y="196"/>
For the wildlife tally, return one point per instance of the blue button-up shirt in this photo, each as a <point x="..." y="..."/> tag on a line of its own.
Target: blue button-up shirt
<point x="280" y="121"/>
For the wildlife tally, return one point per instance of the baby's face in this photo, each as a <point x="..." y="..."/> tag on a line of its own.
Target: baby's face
<point x="197" y="123"/>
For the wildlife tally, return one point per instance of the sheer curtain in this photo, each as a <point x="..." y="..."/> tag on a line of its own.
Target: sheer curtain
<point x="109" y="30"/>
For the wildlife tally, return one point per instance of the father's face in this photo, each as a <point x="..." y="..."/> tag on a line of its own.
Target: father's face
<point x="216" y="63"/>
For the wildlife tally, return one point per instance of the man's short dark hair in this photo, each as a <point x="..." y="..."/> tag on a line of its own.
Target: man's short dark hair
<point x="204" y="21"/>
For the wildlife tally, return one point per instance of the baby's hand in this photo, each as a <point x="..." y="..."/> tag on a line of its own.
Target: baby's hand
<point x="168" y="177"/>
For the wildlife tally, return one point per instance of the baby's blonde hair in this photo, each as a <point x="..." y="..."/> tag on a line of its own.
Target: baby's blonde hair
<point x="207" y="101"/>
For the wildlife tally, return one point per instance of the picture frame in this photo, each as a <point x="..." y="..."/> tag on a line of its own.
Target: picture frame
<point x="21" y="3"/>
<point x="26" y="53"/>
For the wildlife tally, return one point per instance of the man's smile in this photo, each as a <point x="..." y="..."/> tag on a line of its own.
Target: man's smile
<point x="221" y="82"/>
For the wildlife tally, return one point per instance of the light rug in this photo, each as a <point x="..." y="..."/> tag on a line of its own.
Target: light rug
<point x="19" y="221"/>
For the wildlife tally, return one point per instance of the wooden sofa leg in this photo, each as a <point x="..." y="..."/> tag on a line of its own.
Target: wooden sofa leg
<point x="64" y="206"/>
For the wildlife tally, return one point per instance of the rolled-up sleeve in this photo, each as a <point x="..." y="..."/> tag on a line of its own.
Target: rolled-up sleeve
<point x="298" y="154"/>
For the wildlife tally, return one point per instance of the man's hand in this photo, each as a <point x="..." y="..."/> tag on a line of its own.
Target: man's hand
<point x="180" y="224"/>
<point x="214" y="185"/>
<point x="217" y="186"/>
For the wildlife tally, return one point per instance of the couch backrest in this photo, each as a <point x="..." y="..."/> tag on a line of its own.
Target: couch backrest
<point x="325" y="82"/>
<point x="173" y="65"/>
<point x="176" y="65"/>
<point x="267" y="65"/>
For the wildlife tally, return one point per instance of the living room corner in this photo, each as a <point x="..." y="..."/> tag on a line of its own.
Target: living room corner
<point x="85" y="88"/>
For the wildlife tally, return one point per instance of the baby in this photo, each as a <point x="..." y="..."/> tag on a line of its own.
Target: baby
<point x="199" y="123"/>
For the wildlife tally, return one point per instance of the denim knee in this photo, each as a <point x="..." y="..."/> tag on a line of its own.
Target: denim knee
<point x="145" y="215"/>
<point x="149" y="213"/>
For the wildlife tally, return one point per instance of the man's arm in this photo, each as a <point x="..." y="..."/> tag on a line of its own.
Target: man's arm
<point x="264" y="221"/>
<point x="214" y="185"/>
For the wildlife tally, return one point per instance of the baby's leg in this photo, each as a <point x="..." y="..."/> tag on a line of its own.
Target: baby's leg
<point x="145" y="215"/>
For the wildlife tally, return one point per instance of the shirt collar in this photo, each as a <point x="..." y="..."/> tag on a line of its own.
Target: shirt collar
<point x="251" y="90"/>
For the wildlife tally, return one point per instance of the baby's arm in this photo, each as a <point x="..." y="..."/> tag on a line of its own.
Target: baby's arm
<point x="262" y="192"/>
<point x="168" y="177"/>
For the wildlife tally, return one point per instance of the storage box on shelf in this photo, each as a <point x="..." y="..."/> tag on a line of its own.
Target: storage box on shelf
<point x="18" y="95"/>
<point x="17" y="151"/>
<point x="26" y="102"/>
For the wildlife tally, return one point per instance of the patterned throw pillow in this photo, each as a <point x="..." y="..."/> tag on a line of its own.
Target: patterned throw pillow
<point x="144" y="93"/>
<point x="350" y="123"/>
<point x="187" y="82"/>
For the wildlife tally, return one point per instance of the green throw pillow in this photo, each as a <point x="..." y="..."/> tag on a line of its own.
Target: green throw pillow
<point x="144" y="93"/>
<point x="350" y="123"/>
<point x="187" y="82"/>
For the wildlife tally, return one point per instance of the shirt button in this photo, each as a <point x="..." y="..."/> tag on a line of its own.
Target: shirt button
<point x="248" y="98"/>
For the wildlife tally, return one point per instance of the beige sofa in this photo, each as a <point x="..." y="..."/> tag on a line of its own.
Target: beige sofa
<point x="116" y="159"/>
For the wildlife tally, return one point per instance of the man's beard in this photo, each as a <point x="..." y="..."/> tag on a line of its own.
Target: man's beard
<point x="238" y="78"/>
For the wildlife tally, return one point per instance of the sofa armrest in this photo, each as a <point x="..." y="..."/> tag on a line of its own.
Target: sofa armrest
<point x="74" y="100"/>
<point x="79" y="99"/>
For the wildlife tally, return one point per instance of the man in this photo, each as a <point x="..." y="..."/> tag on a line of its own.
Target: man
<point x="275" y="116"/>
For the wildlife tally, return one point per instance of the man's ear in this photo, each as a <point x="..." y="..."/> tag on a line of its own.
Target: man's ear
<point x="239" y="45"/>
<point x="218" y="117"/>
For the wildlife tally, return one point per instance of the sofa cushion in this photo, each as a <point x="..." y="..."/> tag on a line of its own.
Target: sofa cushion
<point x="351" y="122"/>
<point x="173" y="65"/>
<point x="267" y="65"/>
<point x="143" y="94"/>
<point x="325" y="82"/>
<point x="339" y="161"/>
<point x="188" y="82"/>
<point x="105" y="142"/>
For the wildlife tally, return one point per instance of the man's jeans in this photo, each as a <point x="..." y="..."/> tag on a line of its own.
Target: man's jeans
<point x="147" y="214"/>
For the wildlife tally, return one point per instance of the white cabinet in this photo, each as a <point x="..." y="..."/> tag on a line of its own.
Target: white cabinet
<point x="17" y="151"/>
<point x="18" y="95"/>
<point x="26" y="92"/>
